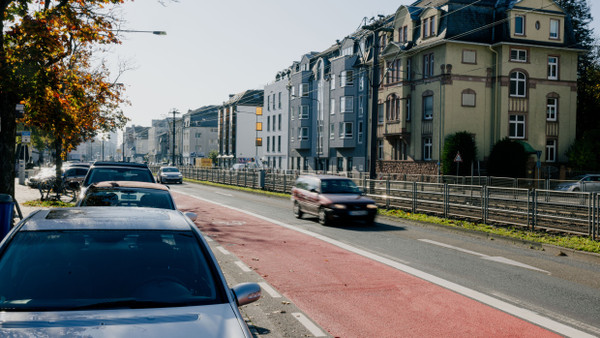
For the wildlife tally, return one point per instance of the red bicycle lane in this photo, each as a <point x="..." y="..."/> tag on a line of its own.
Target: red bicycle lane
<point x="347" y="294"/>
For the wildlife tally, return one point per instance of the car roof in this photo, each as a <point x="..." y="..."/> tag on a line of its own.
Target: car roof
<point x="129" y="184"/>
<point x="119" y="164"/>
<point x="324" y="177"/>
<point x="97" y="218"/>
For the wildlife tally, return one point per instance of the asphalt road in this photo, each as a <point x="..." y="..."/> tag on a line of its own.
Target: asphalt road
<point x="559" y="292"/>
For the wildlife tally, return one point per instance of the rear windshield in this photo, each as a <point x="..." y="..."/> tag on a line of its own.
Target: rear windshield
<point x="170" y="170"/>
<point x="101" y="174"/>
<point x="115" y="197"/>
<point x="94" y="269"/>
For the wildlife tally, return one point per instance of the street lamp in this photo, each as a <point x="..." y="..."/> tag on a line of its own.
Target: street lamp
<point x="136" y="31"/>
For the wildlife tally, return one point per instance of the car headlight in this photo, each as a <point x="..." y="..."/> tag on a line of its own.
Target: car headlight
<point x="338" y="206"/>
<point x="371" y="206"/>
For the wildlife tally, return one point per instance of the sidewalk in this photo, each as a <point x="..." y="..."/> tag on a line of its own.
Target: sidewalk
<point x="23" y="194"/>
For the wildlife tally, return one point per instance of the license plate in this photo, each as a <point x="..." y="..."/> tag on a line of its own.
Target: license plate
<point x="358" y="213"/>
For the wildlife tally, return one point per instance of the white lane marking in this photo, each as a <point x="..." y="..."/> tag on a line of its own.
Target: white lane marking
<point x="516" y="311"/>
<point x="243" y="266"/>
<point x="497" y="259"/>
<point x="309" y="325"/>
<point x="269" y="290"/>
<point x="222" y="193"/>
<point x="223" y="250"/>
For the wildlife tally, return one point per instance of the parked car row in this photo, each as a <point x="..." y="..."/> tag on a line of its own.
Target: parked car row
<point x="124" y="262"/>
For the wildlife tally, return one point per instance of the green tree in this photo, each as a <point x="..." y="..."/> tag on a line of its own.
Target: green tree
<point x="583" y="154"/>
<point x="508" y="159"/>
<point x="37" y="40"/>
<point x="213" y="155"/>
<point x="459" y="142"/>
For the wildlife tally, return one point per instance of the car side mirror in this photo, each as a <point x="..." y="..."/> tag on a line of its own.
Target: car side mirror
<point x="191" y="215"/>
<point x="246" y="293"/>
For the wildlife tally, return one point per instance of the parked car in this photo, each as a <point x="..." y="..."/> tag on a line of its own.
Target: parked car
<point x="587" y="183"/>
<point x="130" y="194"/>
<point x="169" y="174"/>
<point x="331" y="198"/>
<point x="116" y="171"/>
<point x="133" y="272"/>
<point x="238" y="166"/>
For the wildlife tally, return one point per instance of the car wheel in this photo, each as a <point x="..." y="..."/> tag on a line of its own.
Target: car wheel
<point x="576" y="189"/>
<point x="322" y="216"/>
<point x="297" y="211"/>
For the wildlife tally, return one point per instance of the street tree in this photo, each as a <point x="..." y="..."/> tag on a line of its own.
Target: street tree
<point x="45" y="53"/>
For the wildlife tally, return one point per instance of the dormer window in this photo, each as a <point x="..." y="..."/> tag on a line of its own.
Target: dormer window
<point x="403" y="34"/>
<point x="428" y="25"/>
<point x="554" y="29"/>
<point x="519" y="25"/>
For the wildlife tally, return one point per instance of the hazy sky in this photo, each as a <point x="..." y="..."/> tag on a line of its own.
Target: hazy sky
<point x="216" y="48"/>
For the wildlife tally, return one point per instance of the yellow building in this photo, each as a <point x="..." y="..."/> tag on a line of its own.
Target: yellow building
<point x="493" y="68"/>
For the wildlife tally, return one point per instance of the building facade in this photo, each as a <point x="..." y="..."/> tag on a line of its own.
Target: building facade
<point x="276" y="116"/>
<point x="199" y="133"/>
<point x="495" y="69"/>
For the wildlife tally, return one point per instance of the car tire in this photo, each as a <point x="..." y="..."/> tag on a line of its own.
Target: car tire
<point x="297" y="210"/>
<point x="322" y="216"/>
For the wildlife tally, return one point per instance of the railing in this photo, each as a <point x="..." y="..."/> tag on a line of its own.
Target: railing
<point x="525" y="203"/>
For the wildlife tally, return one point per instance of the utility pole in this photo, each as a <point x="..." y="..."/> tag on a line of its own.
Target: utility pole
<point x="174" y="112"/>
<point x="375" y="27"/>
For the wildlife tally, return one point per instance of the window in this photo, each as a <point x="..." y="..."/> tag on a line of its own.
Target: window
<point x="268" y="144"/>
<point x="304" y="89"/>
<point x="279" y="143"/>
<point x="427" y="148"/>
<point x="428" y="65"/>
<point x="379" y="149"/>
<point x="408" y="109"/>
<point x="332" y="131"/>
<point x="425" y="25"/>
<point x="361" y="82"/>
<point x="268" y="102"/>
<point x="516" y="126"/>
<point x="347" y="78"/>
<point x="408" y="70"/>
<point x="552" y="68"/>
<point x="550" y="150"/>
<point x="518" y="84"/>
<point x="469" y="56"/>
<point x="554" y="29"/>
<point x="346" y="104"/>
<point x="380" y="113"/>
<point x="268" y="123"/>
<point x="519" y="25"/>
<point x="346" y="129"/>
<point x="292" y="113"/>
<point x="273" y="101"/>
<point x="361" y="104"/>
<point x="349" y="164"/>
<point x="332" y="106"/>
<point x="304" y="111"/>
<point x="259" y="141"/>
<point x="428" y="107"/>
<point x="303" y="133"/>
<point x="432" y="25"/>
<point x="258" y="110"/>
<point x="518" y="55"/>
<point x="468" y="98"/>
<point x="551" y="108"/>
<point x="279" y="123"/>
<point x="340" y="164"/>
<point x="259" y="126"/>
<point x="279" y="100"/>
<point x="403" y="34"/>
<point x="392" y="108"/>
<point x="360" y="131"/>
<point x="332" y="83"/>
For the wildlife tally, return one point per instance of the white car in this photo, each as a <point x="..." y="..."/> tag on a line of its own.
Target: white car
<point x="130" y="272"/>
<point x="585" y="183"/>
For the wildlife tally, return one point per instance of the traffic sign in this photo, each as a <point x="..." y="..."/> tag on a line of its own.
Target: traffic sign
<point x="458" y="158"/>
<point x="25" y="137"/>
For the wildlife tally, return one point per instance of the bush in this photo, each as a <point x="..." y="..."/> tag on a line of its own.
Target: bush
<point x="508" y="159"/>
<point x="460" y="142"/>
<point x="583" y="154"/>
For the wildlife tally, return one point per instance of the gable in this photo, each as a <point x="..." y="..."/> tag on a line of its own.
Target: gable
<point x="545" y="5"/>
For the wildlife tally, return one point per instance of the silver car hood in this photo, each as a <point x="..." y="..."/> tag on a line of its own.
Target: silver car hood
<point x="203" y="321"/>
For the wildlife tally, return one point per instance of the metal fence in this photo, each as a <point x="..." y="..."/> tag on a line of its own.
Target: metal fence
<point x="525" y="203"/>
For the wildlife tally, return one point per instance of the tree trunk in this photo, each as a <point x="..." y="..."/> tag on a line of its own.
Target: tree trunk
<point x="59" y="162"/>
<point x="8" y="128"/>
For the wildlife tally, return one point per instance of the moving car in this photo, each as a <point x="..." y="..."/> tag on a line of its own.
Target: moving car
<point x="169" y="174"/>
<point x="586" y="183"/>
<point x="331" y="198"/>
<point x="131" y="272"/>
<point x="130" y="194"/>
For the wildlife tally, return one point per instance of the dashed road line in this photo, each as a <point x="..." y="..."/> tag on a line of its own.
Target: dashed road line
<point x="266" y="287"/>
<point x="223" y="250"/>
<point x="243" y="266"/>
<point x="309" y="325"/>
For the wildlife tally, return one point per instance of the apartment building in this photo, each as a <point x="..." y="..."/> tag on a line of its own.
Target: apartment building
<point x="199" y="133"/>
<point x="276" y="116"/>
<point x="493" y="68"/>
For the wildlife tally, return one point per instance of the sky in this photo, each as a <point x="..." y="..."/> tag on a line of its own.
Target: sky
<point x="216" y="48"/>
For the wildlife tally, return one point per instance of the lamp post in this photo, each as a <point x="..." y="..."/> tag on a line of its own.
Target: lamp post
<point x="174" y="112"/>
<point x="137" y="31"/>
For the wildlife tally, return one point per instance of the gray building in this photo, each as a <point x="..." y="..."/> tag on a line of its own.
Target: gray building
<point x="275" y="129"/>
<point x="200" y="133"/>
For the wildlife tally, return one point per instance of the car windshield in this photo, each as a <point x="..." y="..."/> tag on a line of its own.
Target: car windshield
<point x="339" y="187"/>
<point x="170" y="170"/>
<point x="95" y="269"/>
<point x="113" y="197"/>
<point x="101" y="174"/>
